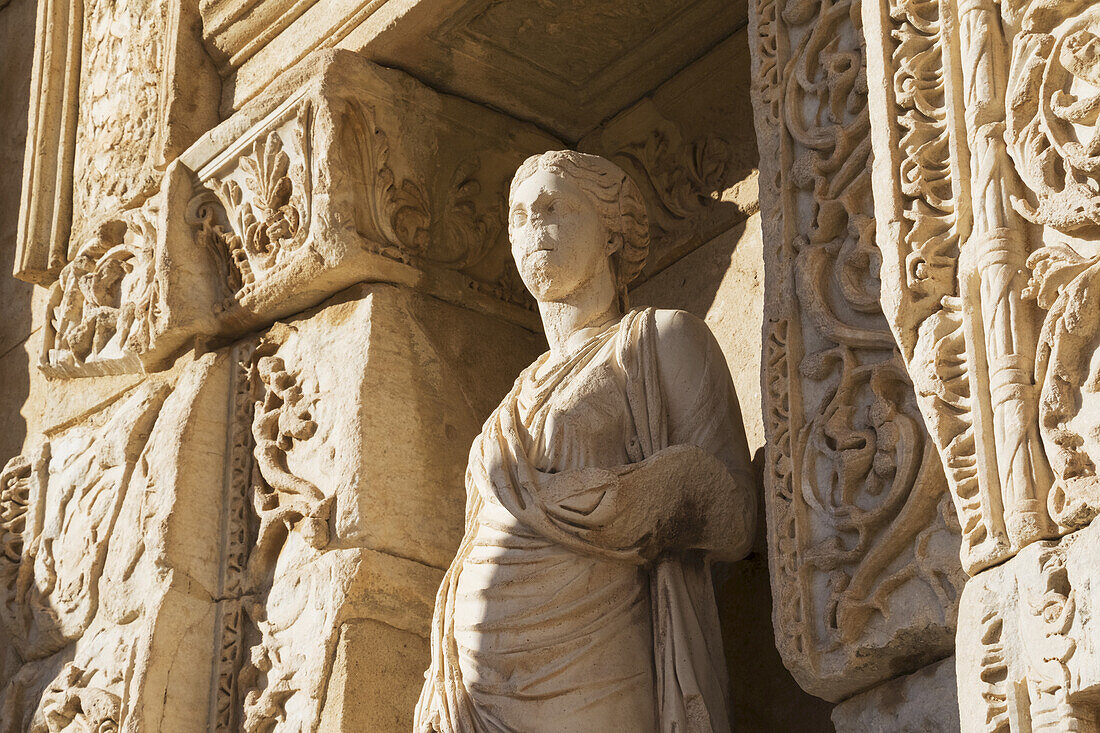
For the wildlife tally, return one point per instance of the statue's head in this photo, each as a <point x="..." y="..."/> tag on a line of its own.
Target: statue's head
<point x="572" y="218"/>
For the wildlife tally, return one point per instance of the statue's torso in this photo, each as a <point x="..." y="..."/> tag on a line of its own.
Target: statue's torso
<point x="550" y="639"/>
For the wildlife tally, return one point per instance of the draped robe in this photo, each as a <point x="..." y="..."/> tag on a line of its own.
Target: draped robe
<point x="538" y="625"/>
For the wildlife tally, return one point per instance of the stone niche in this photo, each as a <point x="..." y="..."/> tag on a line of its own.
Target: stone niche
<point x="275" y="312"/>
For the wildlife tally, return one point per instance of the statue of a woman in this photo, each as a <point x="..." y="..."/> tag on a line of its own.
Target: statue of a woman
<point x="599" y="490"/>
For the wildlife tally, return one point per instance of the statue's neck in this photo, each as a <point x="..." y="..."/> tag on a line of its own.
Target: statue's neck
<point x="571" y="322"/>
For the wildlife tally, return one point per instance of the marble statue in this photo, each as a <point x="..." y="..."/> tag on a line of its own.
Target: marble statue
<point x="598" y="493"/>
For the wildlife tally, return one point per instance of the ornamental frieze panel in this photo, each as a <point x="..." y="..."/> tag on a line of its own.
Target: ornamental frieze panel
<point x="350" y="173"/>
<point x="983" y="173"/>
<point x="119" y="90"/>
<point x="134" y="293"/>
<point x="861" y="530"/>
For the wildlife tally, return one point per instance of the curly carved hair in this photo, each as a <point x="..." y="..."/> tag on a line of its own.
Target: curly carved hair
<point x="616" y="198"/>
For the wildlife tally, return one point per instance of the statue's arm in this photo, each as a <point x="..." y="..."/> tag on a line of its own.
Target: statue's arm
<point x="703" y="414"/>
<point x="696" y="494"/>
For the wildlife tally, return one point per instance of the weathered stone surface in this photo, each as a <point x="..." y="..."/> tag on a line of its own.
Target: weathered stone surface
<point x="566" y="66"/>
<point x="348" y="172"/>
<point x="109" y="564"/>
<point x="988" y="203"/>
<point x="863" y="535"/>
<point x="1027" y="659"/>
<point x="120" y="90"/>
<point x="917" y="703"/>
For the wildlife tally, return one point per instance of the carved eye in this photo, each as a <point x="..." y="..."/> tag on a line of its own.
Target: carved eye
<point x="519" y="217"/>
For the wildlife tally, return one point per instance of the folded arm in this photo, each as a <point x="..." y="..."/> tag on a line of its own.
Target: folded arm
<point x="697" y="494"/>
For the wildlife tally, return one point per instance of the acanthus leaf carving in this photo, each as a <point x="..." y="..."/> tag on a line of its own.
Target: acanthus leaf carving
<point x="270" y="598"/>
<point x="1053" y="106"/>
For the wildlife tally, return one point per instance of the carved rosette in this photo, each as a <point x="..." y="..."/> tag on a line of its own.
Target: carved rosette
<point x="862" y="533"/>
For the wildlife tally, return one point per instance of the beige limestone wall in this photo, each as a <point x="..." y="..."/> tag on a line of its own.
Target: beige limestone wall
<point x="720" y="280"/>
<point x="16" y="46"/>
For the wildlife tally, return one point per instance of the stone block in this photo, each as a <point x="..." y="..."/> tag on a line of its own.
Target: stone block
<point x="1026" y="648"/>
<point x="110" y="560"/>
<point x="347" y="172"/>
<point x="344" y="497"/>
<point x="921" y="702"/>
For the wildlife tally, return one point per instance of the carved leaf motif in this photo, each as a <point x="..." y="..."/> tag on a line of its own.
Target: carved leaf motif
<point x="858" y="506"/>
<point x="106" y="303"/>
<point x="251" y="229"/>
<point x="1053" y="109"/>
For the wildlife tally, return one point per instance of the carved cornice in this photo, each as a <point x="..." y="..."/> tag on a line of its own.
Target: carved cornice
<point x="320" y="191"/>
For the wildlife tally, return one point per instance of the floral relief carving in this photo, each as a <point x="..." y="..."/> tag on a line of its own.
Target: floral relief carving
<point x="119" y="108"/>
<point x="277" y="582"/>
<point x="256" y="221"/>
<point x="989" y="309"/>
<point x="73" y="489"/>
<point x="855" y="487"/>
<point x="402" y="219"/>
<point x="106" y="301"/>
<point x="282" y="500"/>
<point x="1053" y="104"/>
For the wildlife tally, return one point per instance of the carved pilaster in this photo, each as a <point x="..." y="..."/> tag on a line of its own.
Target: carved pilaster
<point x="859" y="516"/>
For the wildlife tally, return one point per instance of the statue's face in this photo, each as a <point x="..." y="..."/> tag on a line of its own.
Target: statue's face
<point x="558" y="239"/>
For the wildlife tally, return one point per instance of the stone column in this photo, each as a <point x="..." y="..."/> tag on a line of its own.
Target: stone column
<point x="862" y="533"/>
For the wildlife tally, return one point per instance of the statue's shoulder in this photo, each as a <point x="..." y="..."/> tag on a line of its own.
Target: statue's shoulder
<point x="680" y="332"/>
<point x="683" y="343"/>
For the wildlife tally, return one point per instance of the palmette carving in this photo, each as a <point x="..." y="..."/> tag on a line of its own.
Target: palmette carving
<point x="263" y="213"/>
<point x="403" y="220"/>
<point x="855" y="487"/>
<point x="255" y="217"/>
